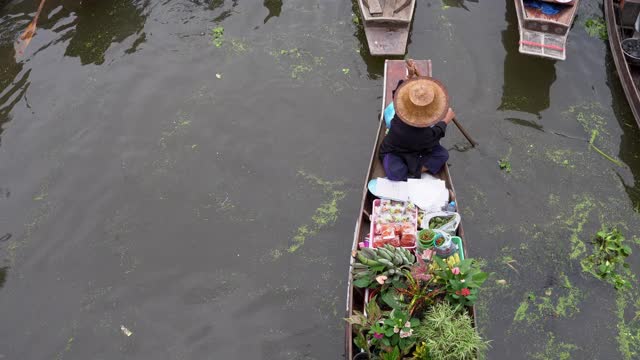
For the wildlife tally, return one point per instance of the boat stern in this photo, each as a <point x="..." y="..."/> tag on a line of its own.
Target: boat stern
<point x="387" y="40"/>
<point x="543" y="44"/>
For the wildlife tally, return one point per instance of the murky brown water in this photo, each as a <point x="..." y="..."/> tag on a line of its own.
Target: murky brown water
<point x="204" y="197"/>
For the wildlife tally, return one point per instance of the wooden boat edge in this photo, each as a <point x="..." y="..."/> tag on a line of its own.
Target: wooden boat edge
<point x="622" y="67"/>
<point x="384" y="19"/>
<point x="445" y="174"/>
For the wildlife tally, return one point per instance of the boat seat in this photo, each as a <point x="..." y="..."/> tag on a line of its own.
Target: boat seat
<point x="389" y="8"/>
<point x="374" y="7"/>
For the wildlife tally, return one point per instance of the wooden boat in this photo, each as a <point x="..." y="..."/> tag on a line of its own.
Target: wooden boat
<point x="620" y="26"/>
<point x="545" y="35"/>
<point x="394" y="71"/>
<point x="386" y="25"/>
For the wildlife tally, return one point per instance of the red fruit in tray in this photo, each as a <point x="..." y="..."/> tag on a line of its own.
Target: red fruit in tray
<point x="398" y="229"/>
<point x="408" y="240"/>
<point x="387" y="232"/>
<point x="408" y="228"/>
<point x="395" y="242"/>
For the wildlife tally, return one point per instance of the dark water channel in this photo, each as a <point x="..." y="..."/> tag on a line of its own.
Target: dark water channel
<point x="201" y="191"/>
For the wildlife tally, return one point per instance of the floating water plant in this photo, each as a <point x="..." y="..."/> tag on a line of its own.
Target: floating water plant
<point x="607" y="262"/>
<point x="505" y="165"/>
<point x="217" y="36"/>
<point x="596" y="27"/>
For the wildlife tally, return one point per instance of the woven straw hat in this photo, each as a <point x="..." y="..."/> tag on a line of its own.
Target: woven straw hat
<point x="421" y="101"/>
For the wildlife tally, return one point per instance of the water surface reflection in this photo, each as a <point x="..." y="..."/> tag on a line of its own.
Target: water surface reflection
<point x="527" y="79"/>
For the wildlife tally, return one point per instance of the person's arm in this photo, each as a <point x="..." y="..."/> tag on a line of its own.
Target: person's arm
<point x="393" y="93"/>
<point x="440" y="128"/>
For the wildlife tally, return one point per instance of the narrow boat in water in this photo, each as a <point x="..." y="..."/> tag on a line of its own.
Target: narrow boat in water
<point x="624" y="37"/>
<point x="394" y="71"/>
<point x="544" y="26"/>
<point x="386" y="25"/>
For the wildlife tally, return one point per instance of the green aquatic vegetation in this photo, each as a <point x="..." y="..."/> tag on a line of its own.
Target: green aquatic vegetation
<point x="554" y="350"/>
<point x="628" y="336"/>
<point x="560" y="157"/>
<point x="217" y="36"/>
<point x="575" y="223"/>
<point x="561" y="303"/>
<point x="325" y="215"/>
<point x="607" y="262"/>
<point x="594" y="134"/>
<point x="504" y="164"/>
<point x="523" y="308"/>
<point x="596" y="27"/>
<point x="513" y="102"/>
<point x="239" y="46"/>
<point x="355" y="19"/>
<point x="297" y="70"/>
<point x="446" y="26"/>
<point x="300" y="61"/>
<point x="588" y="115"/>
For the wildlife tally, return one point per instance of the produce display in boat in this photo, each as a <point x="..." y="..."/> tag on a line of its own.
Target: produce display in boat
<point x="395" y="290"/>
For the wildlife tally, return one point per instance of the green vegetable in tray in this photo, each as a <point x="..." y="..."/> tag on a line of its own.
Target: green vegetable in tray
<point x="437" y="222"/>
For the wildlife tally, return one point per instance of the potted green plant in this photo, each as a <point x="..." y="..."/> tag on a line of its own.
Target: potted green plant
<point x="447" y="333"/>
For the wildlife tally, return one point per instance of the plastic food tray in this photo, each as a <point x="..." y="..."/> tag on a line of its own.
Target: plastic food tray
<point x="376" y="202"/>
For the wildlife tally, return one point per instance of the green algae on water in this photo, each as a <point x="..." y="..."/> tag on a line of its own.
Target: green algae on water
<point x="558" y="302"/>
<point x="555" y="350"/>
<point x="589" y="116"/>
<point x="575" y="223"/>
<point x="521" y="312"/>
<point x="628" y="336"/>
<point x="560" y="157"/>
<point x="325" y="215"/>
<point x="300" y="62"/>
<point x="239" y="46"/>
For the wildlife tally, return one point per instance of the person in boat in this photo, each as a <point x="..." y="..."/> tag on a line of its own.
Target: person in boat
<point x="417" y="119"/>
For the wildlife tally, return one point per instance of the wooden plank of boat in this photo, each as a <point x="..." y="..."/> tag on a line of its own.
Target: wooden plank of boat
<point x="394" y="71"/>
<point x="629" y="74"/>
<point x="545" y="35"/>
<point x="386" y="25"/>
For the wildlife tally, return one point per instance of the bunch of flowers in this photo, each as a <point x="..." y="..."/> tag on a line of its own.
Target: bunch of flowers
<point x="461" y="282"/>
<point x="394" y="331"/>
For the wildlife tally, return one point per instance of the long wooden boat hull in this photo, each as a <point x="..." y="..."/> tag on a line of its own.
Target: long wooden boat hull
<point x="395" y="70"/>
<point x="386" y="25"/>
<point x="544" y="35"/>
<point x="629" y="74"/>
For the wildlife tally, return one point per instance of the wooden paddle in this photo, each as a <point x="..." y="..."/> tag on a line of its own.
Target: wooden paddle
<point x="412" y="71"/>
<point x="23" y="41"/>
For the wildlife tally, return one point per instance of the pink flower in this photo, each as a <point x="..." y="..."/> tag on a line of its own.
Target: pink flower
<point x="407" y="324"/>
<point x="378" y="336"/>
<point x="406" y="334"/>
<point x="395" y="329"/>
<point x="464" y="292"/>
<point x="455" y="270"/>
<point x="427" y="254"/>
<point x="381" y="279"/>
